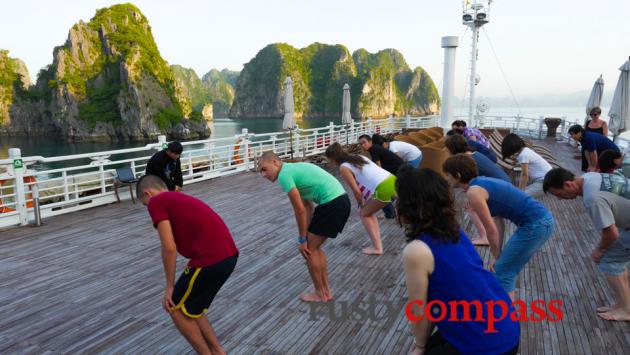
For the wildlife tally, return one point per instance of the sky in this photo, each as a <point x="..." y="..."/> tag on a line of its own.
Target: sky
<point x="543" y="46"/>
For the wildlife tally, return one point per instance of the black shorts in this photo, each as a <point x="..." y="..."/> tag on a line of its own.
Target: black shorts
<point x="196" y="287"/>
<point x="330" y="218"/>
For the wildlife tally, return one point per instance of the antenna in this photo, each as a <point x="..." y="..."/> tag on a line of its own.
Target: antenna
<point x="475" y="14"/>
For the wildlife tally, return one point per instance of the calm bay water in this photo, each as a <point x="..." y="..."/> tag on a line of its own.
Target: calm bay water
<point x="49" y="146"/>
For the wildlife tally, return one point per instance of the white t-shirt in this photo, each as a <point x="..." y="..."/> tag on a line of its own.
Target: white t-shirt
<point x="368" y="177"/>
<point x="407" y="151"/>
<point x="538" y="166"/>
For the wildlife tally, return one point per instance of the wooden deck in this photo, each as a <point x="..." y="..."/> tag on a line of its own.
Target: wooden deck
<point x="92" y="281"/>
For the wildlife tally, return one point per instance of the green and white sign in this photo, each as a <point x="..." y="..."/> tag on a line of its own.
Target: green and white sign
<point x="18" y="163"/>
<point x="164" y="145"/>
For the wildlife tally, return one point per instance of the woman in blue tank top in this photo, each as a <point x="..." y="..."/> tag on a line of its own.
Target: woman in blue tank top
<point x="489" y="197"/>
<point x="446" y="278"/>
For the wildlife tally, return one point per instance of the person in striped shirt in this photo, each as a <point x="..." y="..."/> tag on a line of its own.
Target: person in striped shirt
<point x="373" y="188"/>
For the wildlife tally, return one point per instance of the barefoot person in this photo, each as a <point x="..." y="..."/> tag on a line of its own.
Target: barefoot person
<point x="372" y="186"/>
<point x="490" y="197"/>
<point x="441" y="265"/>
<point x="533" y="165"/>
<point x="385" y="159"/>
<point x="188" y="226"/>
<point x="306" y="184"/>
<point x="606" y="198"/>
<point x="457" y="144"/>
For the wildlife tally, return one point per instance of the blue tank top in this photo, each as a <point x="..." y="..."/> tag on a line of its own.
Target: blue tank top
<point x="487" y="168"/>
<point x="459" y="275"/>
<point x="507" y="201"/>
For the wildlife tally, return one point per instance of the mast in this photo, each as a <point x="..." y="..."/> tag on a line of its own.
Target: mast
<point x="475" y="15"/>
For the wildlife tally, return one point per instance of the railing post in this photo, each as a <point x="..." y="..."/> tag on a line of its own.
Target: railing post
<point x="562" y="126"/>
<point x="17" y="170"/>
<point x="390" y="123"/>
<point x="541" y="122"/>
<point x="101" y="170"/>
<point x="245" y="145"/>
<point x="133" y="167"/>
<point x="162" y="142"/>
<point x="273" y="143"/>
<point x="66" y="193"/>
<point x="209" y="148"/>
<point x="190" y="165"/>
<point x="518" y="123"/>
<point x="370" y="129"/>
<point x="37" y="214"/>
<point x="297" y="141"/>
<point x="331" y="131"/>
<point x="407" y="122"/>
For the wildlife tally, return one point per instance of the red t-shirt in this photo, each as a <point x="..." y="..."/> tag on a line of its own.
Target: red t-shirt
<point x="200" y="234"/>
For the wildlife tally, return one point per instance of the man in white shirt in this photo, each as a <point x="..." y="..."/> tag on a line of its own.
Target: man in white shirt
<point x="606" y="198"/>
<point x="408" y="152"/>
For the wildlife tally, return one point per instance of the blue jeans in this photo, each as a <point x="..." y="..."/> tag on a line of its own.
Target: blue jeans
<point x="416" y="162"/>
<point x="389" y="210"/>
<point x="523" y="244"/>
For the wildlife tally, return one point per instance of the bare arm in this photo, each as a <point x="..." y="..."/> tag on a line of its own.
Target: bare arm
<point x="478" y="199"/>
<point x="301" y="215"/>
<point x="605" y="128"/>
<point x="169" y="251"/>
<point x="524" y="176"/>
<point x="169" y="260"/>
<point x="609" y="236"/>
<point x="418" y="264"/>
<point x="348" y="177"/>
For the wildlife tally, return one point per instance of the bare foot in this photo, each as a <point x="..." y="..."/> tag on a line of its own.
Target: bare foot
<point x="218" y="351"/>
<point x="372" y="251"/>
<point x="616" y="314"/>
<point x="329" y="296"/>
<point x="312" y="297"/>
<point x="481" y="241"/>
<point x="604" y="309"/>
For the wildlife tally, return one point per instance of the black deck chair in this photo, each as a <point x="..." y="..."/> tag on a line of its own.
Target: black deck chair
<point x="125" y="177"/>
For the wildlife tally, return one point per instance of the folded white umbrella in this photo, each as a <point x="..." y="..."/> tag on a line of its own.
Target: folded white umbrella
<point x="595" y="98"/>
<point x="619" y="112"/>
<point x="289" y="115"/>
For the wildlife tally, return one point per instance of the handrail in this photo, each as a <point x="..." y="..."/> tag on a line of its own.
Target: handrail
<point x="84" y="185"/>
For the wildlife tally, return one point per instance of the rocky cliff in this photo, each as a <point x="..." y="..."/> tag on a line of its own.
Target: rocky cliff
<point x="381" y="83"/>
<point x="220" y="87"/>
<point x="215" y="89"/>
<point x="109" y="81"/>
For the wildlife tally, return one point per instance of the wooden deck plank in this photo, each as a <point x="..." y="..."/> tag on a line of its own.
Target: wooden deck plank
<point x="91" y="281"/>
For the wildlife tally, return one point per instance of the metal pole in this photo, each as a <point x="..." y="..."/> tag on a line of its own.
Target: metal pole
<point x="473" y="68"/>
<point x="449" y="43"/>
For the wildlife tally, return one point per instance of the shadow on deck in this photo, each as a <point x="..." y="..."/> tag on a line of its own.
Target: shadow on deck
<point x="92" y="282"/>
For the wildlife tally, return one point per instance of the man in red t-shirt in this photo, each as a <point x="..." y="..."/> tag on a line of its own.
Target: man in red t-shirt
<point x="188" y="226"/>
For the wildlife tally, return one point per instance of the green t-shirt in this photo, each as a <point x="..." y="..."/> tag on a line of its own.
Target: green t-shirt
<point x="313" y="182"/>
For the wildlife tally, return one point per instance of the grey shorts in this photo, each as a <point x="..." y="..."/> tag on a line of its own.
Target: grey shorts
<point x="617" y="258"/>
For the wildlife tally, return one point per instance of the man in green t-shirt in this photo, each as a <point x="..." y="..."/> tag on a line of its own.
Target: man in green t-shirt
<point x="307" y="184"/>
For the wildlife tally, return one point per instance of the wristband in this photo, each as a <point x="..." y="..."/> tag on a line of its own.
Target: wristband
<point x="301" y="240"/>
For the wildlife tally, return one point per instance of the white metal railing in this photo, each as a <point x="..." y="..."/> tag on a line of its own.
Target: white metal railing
<point x="86" y="180"/>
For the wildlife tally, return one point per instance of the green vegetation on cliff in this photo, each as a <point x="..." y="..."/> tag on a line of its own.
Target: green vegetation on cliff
<point x="381" y="83"/>
<point x="116" y="41"/>
<point x="216" y="88"/>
